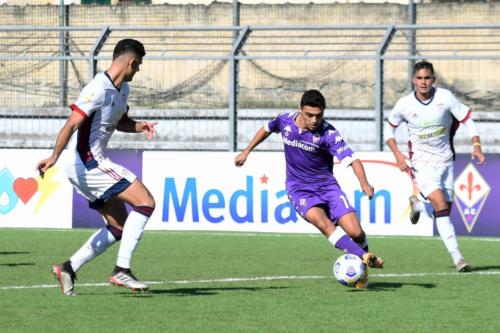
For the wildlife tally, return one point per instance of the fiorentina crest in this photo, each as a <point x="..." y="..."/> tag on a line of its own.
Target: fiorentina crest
<point x="471" y="192"/>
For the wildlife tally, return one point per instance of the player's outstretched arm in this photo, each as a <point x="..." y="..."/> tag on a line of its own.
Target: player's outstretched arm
<point x="359" y="171"/>
<point x="260" y="136"/>
<point x="128" y="125"/>
<point x="74" y="122"/>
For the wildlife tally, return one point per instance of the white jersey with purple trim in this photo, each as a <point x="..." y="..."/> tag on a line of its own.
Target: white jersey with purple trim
<point x="431" y="126"/>
<point x="102" y="105"/>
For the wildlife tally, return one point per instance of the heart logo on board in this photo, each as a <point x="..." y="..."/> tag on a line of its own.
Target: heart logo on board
<point x="25" y="188"/>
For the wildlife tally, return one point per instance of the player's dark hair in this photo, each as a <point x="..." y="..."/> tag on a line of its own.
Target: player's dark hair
<point x="423" y="65"/>
<point x="313" y="98"/>
<point x="129" y="45"/>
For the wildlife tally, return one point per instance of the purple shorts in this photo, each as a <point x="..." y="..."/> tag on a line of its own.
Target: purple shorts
<point x="330" y="196"/>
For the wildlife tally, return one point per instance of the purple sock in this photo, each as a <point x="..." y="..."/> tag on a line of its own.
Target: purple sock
<point x="346" y="244"/>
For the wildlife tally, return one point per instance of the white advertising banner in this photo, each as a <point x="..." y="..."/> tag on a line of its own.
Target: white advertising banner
<point x="28" y="201"/>
<point x="205" y="191"/>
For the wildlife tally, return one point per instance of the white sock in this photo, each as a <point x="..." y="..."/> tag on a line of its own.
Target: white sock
<point x="447" y="233"/>
<point x="132" y="233"/>
<point x="336" y="235"/>
<point x="95" y="245"/>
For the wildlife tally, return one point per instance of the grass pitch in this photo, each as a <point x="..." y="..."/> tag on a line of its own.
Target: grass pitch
<point x="213" y="282"/>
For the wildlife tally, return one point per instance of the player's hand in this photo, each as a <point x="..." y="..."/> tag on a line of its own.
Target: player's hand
<point x="477" y="153"/>
<point x="403" y="162"/>
<point x="368" y="190"/>
<point x="148" y="128"/>
<point x="44" y="165"/>
<point x="240" y="159"/>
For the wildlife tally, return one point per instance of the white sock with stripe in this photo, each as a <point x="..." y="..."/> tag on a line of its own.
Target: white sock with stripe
<point x="95" y="245"/>
<point x="447" y="233"/>
<point x="132" y="234"/>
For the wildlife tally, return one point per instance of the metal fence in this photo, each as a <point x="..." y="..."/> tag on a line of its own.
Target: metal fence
<point x="211" y="88"/>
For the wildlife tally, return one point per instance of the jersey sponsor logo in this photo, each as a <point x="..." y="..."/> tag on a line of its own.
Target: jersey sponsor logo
<point x="471" y="192"/>
<point x="338" y="139"/>
<point x="438" y="132"/>
<point x="298" y="144"/>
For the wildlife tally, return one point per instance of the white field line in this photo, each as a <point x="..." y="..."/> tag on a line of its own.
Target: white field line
<point x="260" y="234"/>
<point x="262" y="278"/>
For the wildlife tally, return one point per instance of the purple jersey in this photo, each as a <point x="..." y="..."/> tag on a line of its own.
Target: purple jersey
<point x="309" y="154"/>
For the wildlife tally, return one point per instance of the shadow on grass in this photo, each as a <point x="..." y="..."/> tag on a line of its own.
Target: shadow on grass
<point x="484" y="268"/>
<point x="197" y="291"/>
<point x="388" y="286"/>
<point x="13" y="252"/>
<point x="15" y="264"/>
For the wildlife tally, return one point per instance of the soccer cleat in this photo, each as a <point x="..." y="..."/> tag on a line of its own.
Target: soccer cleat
<point x="363" y="281"/>
<point x="463" y="266"/>
<point x="125" y="278"/>
<point x="414" y="215"/>
<point x="66" y="279"/>
<point x="372" y="260"/>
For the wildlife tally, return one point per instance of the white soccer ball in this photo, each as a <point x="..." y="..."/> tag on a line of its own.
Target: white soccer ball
<point x="348" y="269"/>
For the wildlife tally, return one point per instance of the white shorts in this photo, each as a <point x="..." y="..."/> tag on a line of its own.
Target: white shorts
<point x="100" y="183"/>
<point x="429" y="179"/>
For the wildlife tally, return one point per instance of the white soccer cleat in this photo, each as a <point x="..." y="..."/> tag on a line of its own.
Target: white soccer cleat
<point x="463" y="266"/>
<point x="414" y="214"/>
<point x="126" y="279"/>
<point x="66" y="280"/>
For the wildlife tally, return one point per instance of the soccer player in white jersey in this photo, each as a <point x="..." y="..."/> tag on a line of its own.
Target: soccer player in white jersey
<point x="100" y="109"/>
<point x="432" y="116"/>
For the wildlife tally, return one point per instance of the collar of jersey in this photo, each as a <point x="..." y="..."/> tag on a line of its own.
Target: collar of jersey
<point x="109" y="78"/>
<point x="302" y="131"/>
<point x="430" y="99"/>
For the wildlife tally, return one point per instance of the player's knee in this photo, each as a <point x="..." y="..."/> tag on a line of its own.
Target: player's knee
<point x="150" y="202"/>
<point x="145" y="210"/>
<point x="147" y="201"/>
<point x="358" y="236"/>
<point x="442" y="212"/>
<point x="116" y="232"/>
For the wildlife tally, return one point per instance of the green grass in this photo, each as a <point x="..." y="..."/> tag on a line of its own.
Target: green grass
<point x="436" y="301"/>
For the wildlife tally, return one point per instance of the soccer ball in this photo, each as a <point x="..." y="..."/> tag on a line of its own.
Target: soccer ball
<point x="348" y="269"/>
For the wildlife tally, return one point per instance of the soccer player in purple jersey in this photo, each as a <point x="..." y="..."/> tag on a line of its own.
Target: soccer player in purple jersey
<point x="310" y="145"/>
<point x="100" y="109"/>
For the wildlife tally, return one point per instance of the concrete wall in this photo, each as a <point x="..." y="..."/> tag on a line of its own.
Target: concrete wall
<point x="29" y="86"/>
<point x="348" y="84"/>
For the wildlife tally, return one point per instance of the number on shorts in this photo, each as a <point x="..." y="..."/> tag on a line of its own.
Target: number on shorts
<point x="344" y="200"/>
